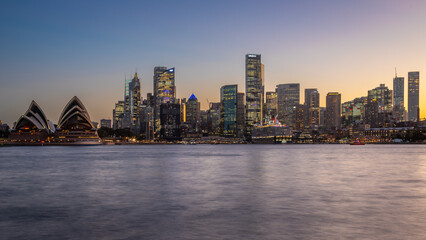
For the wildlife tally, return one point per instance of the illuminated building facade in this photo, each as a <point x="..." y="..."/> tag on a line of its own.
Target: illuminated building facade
<point x="32" y="127"/>
<point x="164" y="91"/>
<point x="254" y="91"/>
<point x="413" y="96"/>
<point x="288" y="97"/>
<point x="333" y="108"/>
<point x="118" y="115"/>
<point x="271" y="106"/>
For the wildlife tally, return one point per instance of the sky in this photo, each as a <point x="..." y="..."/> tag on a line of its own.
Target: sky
<point x="51" y="51"/>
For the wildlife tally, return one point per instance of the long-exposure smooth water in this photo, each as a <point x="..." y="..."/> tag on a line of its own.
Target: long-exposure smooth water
<point x="213" y="192"/>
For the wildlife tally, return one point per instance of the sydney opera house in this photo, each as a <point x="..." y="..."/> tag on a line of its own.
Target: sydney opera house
<point x="74" y="126"/>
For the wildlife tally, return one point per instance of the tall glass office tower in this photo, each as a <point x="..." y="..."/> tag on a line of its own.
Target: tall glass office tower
<point x="413" y="96"/>
<point x="254" y="91"/>
<point x="398" y="98"/>
<point x="228" y="100"/>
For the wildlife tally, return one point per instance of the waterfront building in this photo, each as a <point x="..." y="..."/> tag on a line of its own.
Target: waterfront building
<point x="254" y="91"/>
<point x="164" y="91"/>
<point x="74" y="125"/>
<point x="193" y="114"/>
<point x="312" y="110"/>
<point x="33" y="126"/>
<point x="95" y="124"/>
<point x="106" y="123"/>
<point x="333" y="108"/>
<point x="228" y="100"/>
<point x="288" y="97"/>
<point x="271" y="106"/>
<point x="170" y="121"/>
<point x="398" y="99"/>
<point x="413" y="96"/>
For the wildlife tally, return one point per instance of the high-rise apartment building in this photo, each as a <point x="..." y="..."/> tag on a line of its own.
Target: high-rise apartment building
<point x="398" y="98"/>
<point x="164" y="91"/>
<point x="288" y="97"/>
<point x="333" y="108"/>
<point x="254" y="91"/>
<point x="413" y="96"/>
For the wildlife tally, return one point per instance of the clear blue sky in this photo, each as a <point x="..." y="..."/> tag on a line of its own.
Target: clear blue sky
<point x="53" y="50"/>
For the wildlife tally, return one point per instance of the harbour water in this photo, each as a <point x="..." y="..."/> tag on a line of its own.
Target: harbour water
<point x="213" y="192"/>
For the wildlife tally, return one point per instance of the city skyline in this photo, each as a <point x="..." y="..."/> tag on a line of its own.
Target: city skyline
<point x="48" y="54"/>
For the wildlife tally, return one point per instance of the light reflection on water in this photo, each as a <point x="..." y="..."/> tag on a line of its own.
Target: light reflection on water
<point x="213" y="192"/>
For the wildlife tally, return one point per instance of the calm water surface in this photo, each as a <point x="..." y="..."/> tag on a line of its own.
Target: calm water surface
<point x="213" y="192"/>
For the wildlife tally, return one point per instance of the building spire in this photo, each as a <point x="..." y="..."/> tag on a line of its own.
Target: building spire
<point x="395" y="73"/>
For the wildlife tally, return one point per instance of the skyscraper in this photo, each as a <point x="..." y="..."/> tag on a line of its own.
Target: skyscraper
<point x="164" y="91"/>
<point x="135" y="104"/>
<point x="288" y="97"/>
<point x="333" y="108"/>
<point x="193" y="114"/>
<point x="241" y="113"/>
<point x="118" y="114"/>
<point x="413" y="96"/>
<point x="254" y="91"/>
<point x="312" y="111"/>
<point x="228" y="100"/>
<point x="398" y="98"/>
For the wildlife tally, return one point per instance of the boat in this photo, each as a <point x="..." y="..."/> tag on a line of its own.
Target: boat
<point x="357" y="143"/>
